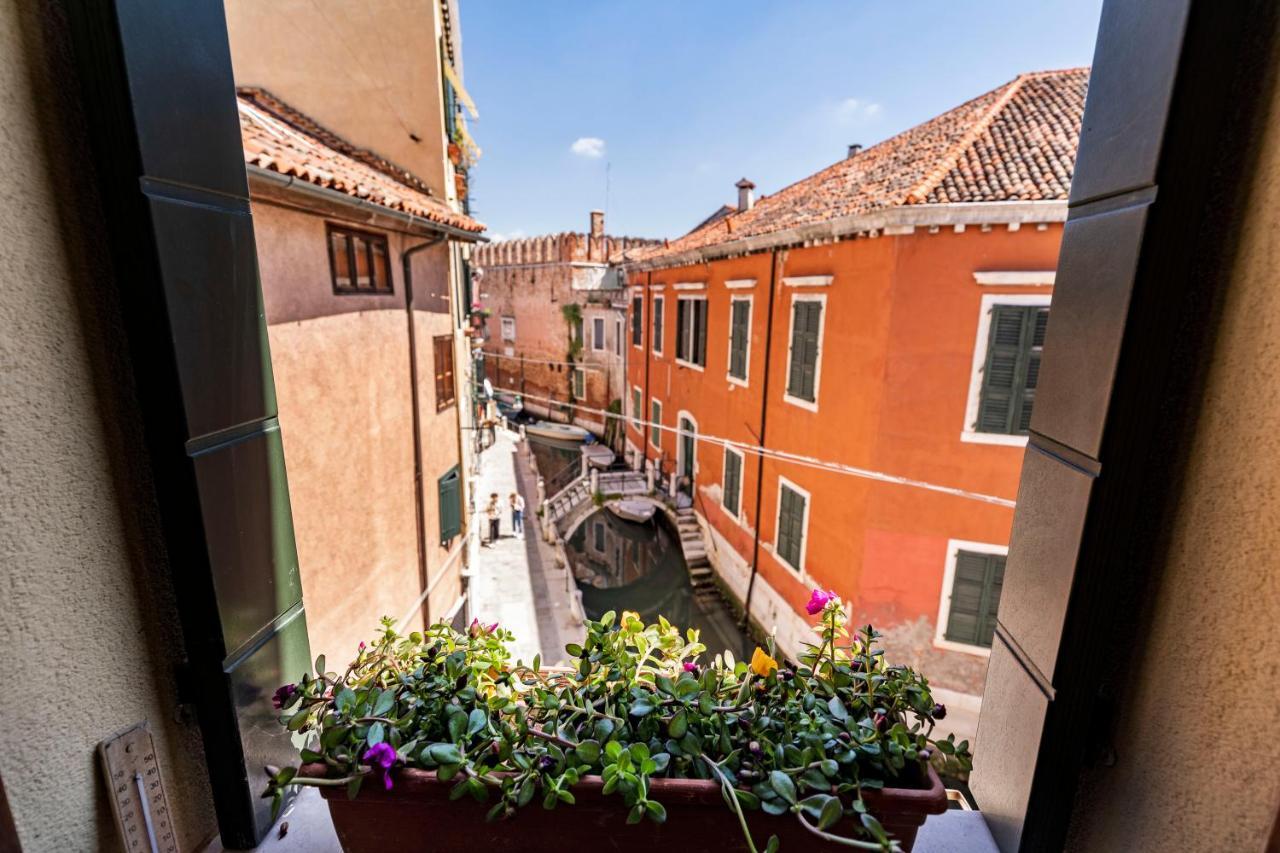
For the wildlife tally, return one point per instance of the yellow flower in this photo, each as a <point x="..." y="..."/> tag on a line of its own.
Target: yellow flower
<point x="761" y="663"/>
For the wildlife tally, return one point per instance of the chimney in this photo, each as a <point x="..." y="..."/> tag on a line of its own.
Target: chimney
<point x="745" y="198"/>
<point x="597" y="223"/>
<point x="853" y="150"/>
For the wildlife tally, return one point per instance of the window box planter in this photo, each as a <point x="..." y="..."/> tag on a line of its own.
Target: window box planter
<point x="417" y="815"/>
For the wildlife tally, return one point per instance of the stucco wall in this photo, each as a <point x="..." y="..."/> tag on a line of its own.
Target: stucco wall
<point x="1198" y="740"/>
<point x="88" y="637"/>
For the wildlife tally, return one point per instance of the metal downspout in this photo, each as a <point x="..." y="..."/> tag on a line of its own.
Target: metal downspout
<point x="764" y="414"/>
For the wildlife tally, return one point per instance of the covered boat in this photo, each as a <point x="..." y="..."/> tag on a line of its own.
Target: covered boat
<point x="556" y="432"/>
<point x="633" y="509"/>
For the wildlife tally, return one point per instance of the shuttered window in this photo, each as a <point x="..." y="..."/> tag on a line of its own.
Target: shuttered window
<point x="802" y="371"/>
<point x="656" y="333"/>
<point x="691" y="330"/>
<point x="732" y="482"/>
<point x="359" y="262"/>
<point x="655" y="418"/>
<point x="597" y="334"/>
<point x="449" y="488"/>
<point x="790" y="537"/>
<point x="739" y="338"/>
<point x="637" y="320"/>
<point x="1012" y="368"/>
<point x="636" y="414"/>
<point x="975" y="597"/>
<point x="579" y="384"/>
<point x="442" y="352"/>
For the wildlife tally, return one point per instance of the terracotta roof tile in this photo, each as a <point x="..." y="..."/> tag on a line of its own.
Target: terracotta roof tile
<point x="1014" y="143"/>
<point x="277" y="137"/>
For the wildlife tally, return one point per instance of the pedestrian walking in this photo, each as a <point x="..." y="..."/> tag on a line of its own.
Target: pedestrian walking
<point x="495" y="517"/>
<point x="517" y="515"/>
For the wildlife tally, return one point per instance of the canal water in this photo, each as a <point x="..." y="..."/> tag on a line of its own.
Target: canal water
<point x="620" y="565"/>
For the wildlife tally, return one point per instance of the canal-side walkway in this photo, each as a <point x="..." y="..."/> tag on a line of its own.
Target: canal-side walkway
<point x="516" y="582"/>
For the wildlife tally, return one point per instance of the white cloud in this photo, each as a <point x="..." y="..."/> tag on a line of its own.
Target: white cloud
<point x="515" y="234"/>
<point x="591" y="147"/>
<point x="855" y="111"/>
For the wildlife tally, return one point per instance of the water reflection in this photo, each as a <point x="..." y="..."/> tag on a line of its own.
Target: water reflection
<point x="620" y="565"/>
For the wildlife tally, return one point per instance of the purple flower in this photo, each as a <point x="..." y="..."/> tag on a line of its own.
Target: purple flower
<point x="939" y="711"/>
<point x="380" y="757"/>
<point x="283" y="696"/>
<point x="819" y="600"/>
<point x="690" y="666"/>
<point x="476" y="629"/>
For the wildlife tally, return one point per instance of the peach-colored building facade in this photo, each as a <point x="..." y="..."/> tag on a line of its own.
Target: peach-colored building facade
<point x="855" y="325"/>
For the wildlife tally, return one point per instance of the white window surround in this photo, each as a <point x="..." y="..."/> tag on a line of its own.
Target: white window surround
<point x="746" y="380"/>
<point x="740" y="283"/>
<point x="630" y="328"/>
<point x="1026" y="278"/>
<point x="742" y="466"/>
<point x="968" y="434"/>
<point x="817" y="365"/>
<point x="597" y="334"/>
<point x="689" y="285"/>
<point x="657" y="288"/>
<point x="637" y="416"/>
<point x="658" y="344"/>
<point x="678" y="360"/>
<point x="579" y="383"/>
<point x="804" y="525"/>
<point x="681" y="417"/>
<point x="808" y="280"/>
<point x="508" y="328"/>
<point x="654" y="401"/>
<point x="954" y="546"/>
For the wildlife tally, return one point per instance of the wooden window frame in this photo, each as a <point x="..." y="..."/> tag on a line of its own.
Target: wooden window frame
<point x="687" y="340"/>
<point x="446" y="392"/>
<point x="371" y="239"/>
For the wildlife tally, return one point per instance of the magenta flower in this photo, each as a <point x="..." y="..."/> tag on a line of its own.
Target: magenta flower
<point x="690" y="666"/>
<point x="476" y="629"/>
<point x="283" y="696"/>
<point x="819" y="600"/>
<point x="381" y="757"/>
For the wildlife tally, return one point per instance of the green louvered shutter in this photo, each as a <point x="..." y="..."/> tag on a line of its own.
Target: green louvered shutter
<point x="637" y="320"/>
<point x="739" y="335"/>
<point x="806" y="322"/>
<point x="790" y="526"/>
<point x="1012" y="368"/>
<point x="700" y="333"/>
<point x="975" y="598"/>
<point x="655" y="418"/>
<point x="656" y="334"/>
<point x="449" y="490"/>
<point x="682" y="329"/>
<point x="732" y="481"/>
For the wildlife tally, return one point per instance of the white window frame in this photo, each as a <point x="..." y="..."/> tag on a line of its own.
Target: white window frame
<point x="659" y="340"/>
<point x="597" y="340"/>
<point x="683" y="415"/>
<point x="817" y="364"/>
<point x="742" y="470"/>
<point x="968" y="433"/>
<point x="728" y="364"/>
<point x="508" y="322"/>
<point x="631" y="329"/>
<point x="954" y="546"/>
<point x="654" y="401"/>
<point x="579" y="379"/>
<point x="637" y="419"/>
<point x="679" y="331"/>
<point x="804" y="525"/>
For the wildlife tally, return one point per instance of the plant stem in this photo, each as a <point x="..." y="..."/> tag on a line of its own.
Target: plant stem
<point x="846" y="842"/>
<point x="326" y="783"/>
<point x="733" y="801"/>
<point x="556" y="739"/>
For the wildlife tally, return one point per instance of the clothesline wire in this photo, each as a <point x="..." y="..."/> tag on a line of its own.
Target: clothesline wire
<point x="792" y="458"/>
<point x="525" y="360"/>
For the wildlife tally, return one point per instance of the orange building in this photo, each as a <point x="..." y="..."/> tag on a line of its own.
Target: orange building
<point x="884" y="315"/>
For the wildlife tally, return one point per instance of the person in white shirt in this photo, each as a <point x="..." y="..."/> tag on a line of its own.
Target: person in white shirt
<point x="517" y="514"/>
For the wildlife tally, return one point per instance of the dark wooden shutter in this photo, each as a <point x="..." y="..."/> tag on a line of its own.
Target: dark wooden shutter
<point x="657" y="324"/>
<point x="732" y="481"/>
<point x="682" y="330"/>
<point x="700" y="332"/>
<point x="790" y="526"/>
<point x="739" y="335"/>
<point x="655" y="416"/>
<point x="975" y="598"/>
<point x="1012" y="368"/>
<point x="637" y="321"/>
<point x="449" y="489"/>
<point x="806" y="323"/>
<point x="442" y="351"/>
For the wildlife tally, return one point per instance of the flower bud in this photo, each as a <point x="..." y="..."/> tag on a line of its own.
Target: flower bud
<point x="939" y="711"/>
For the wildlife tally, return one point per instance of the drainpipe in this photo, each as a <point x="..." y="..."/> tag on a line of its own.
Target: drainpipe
<point x="646" y="339"/>
<point x="419" y="499"/>
<point x="764" y="414"/>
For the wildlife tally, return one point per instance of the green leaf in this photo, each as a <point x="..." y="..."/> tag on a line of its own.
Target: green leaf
<point x="334" y="735"/>
<point x="526" y="793"/>
<point x="829" y="767"/>
<point x="679" y="724"/>
<point x="831" y="813"/>
<point x="657" y="811"/>
<point x="607" y="619"/>
<point x="574" y="650"/>
<point x="747" y="799"/>
<point x="838" y="709"/>
<point x="457" y="725"/>
<point x="588" y="752"/>
<point x="476" y="721"/>
<point x="320" y="665"/>
<point x="537" y="662"/>
<point x="604" y="728"/>
<point x="353" y="787"/>
<point x="774" y="807"/>
<point x="298" y="720"/>
<point x="376" y="733"/>
<point x="636" y="814"/>
<point x="639" y="751"/>
<point x="665" y="685"/>
<point x="873" y="826"/>
<point x="660" y="762"/>
<point x="641" y="707"/>
<point x="310" y="755"/>
<point x="344" y="700"/>
<point x="773" y="845"/>
<point x="565" y="797"/>
<point x="782" y="785"/>
<point x="386" y="701"/>
<point x="444" y="753"/>
<point x="613" y="749"/>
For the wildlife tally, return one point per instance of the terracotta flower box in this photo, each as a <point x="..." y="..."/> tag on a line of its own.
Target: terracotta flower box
<point x="417" y="815"/>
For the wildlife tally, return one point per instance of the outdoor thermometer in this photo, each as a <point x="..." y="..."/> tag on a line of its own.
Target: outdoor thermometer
<point x="137" y="791"/>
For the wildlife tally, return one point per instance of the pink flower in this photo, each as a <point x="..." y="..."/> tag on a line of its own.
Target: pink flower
<point x="819" y="600"/>
<point x="284" y="696"/>
<point x="690" y="666"/>
<point x="381" y="757"/>
<point x="476" y="629"/>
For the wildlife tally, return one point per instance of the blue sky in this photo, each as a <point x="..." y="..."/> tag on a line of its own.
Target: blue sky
<point x="678" y="100"/>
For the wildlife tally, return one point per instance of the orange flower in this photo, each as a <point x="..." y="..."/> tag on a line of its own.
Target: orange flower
<point x="761" y="663"/>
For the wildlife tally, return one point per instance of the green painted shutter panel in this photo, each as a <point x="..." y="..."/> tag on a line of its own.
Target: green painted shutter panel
<point x="732" y="481"/>
<point x="1012" y="369"/>
<point x="797" y="350"/>
<point x="995" y="580"/>
<point x="682" y="331"/>
<point x="449" y="490"/>
<point x="975" y="598"/>
<point x="790" y="526"/>
<point x="637" y="321"/>
<point x="739" y="335"/>
<point x="657" y="324"/>
<point x="655" y="416"/>
<point x="700" y="333"/>
<point x="806" y="323"/>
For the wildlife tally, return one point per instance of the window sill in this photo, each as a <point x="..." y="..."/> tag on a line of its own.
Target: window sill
<point x="973" y="437"/>
<point x="953" y="646"/>
<point x="809" y="405"/>
<point x="689" y="364"/>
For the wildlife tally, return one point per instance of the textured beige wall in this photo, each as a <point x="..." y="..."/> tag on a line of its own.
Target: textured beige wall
<point x="1199" y="737"/>
<point x="88" y="642"/>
